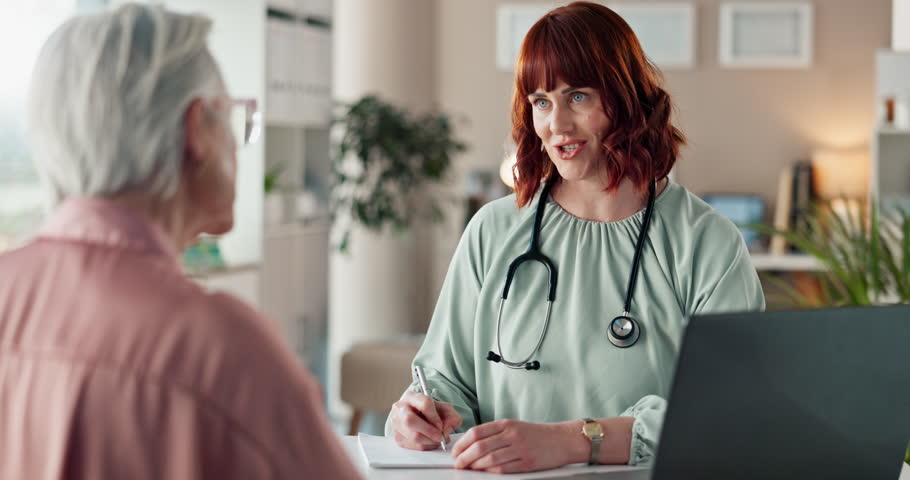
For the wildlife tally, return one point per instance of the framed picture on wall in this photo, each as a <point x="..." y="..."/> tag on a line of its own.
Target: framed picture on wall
<point x="766" y="35"/>
<point x="512" y="24"/>
<point x="666" y="31"/>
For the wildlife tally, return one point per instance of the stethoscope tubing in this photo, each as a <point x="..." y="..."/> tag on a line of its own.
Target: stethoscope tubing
<point x="639" y="246"/>
<point x="527" y="361"/>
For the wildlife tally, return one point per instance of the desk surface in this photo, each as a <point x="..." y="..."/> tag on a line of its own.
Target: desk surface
<point x="353" y="449"/>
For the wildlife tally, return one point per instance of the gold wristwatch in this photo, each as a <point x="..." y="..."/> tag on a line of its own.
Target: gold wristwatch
<point x="594" y="431"/>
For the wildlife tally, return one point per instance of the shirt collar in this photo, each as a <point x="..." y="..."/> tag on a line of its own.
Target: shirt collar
<point x="104" y="222"/>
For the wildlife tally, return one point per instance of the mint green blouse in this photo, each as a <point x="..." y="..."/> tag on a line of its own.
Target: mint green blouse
<point x="695" y="261"/>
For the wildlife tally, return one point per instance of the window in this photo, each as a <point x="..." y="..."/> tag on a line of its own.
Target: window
<point x="23" y="28"/>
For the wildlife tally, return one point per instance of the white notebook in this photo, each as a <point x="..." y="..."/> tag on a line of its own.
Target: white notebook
<point x="383" y="452"/>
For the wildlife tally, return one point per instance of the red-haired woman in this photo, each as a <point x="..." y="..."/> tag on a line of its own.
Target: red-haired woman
<point x="562" y="351"/>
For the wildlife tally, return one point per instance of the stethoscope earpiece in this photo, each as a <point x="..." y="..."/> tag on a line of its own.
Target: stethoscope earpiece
<point x="534" y="365"/>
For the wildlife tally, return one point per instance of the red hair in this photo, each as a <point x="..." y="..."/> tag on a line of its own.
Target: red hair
<point x="588" y="45"/>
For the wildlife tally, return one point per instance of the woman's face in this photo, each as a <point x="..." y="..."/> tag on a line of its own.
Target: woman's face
<point x="572" y="123"/>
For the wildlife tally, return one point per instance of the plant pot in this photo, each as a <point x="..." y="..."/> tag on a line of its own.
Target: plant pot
<point x="274" y="208"/>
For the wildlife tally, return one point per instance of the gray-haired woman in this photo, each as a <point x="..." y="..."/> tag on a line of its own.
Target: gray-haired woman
<point x="112" y="363"/>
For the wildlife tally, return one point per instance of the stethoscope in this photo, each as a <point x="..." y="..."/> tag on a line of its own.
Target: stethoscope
<point x="623" y="331"/>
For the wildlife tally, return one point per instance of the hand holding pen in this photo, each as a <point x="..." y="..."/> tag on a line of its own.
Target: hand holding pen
<point x="420" y="423"/>
<point x="426" y="391"/>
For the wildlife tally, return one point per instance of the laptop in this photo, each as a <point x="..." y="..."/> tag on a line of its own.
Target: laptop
<point x="788" y="395"/>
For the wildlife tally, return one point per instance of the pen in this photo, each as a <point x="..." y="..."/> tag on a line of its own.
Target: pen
<point x="424" y="390"/>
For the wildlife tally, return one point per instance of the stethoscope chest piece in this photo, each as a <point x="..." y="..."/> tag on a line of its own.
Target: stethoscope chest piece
<point x="623" y="331"/>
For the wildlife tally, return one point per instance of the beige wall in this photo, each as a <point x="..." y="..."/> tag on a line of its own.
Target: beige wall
<point x="743" y="125"/>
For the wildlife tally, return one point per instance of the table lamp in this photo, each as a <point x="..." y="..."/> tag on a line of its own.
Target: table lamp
<point x="506" y="168"/>
<point x="841" y="179"/>
<point x="841" y="174"/>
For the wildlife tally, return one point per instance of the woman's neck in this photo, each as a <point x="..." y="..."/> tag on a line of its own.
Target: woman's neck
<point x="588" y="201"/>
<point x="169" y="216"/>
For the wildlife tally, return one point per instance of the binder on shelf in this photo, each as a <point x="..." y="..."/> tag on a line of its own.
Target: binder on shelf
<point x="299" y="69"/>
<point x="279" y="92"/>
<point x="795" y="200"/>
<point x="803" y="195"/>
<point x="782" y="210"/>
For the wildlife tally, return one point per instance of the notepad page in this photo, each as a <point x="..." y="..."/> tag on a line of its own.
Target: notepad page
<point x="383" y="452"/>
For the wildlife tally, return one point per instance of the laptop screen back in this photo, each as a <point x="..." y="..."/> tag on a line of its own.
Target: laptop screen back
<point x="808" y="394"/>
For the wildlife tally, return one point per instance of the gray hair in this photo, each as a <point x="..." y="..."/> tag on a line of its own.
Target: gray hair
<point x="107" y="100"/>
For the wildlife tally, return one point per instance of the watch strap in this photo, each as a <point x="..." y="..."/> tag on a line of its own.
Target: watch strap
<point x="596" y="440"/>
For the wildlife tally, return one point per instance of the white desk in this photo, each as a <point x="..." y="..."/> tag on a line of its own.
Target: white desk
<point x="353" y="449"/>
<point x="788" y="262"/>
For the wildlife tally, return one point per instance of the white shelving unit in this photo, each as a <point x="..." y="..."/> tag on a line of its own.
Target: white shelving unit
<point x="790" y="262"/>
<point x="890" y="145"/>
<point x="890" y="174"/>
<point x="319" y="8"/>
<point x="297" y="115"/>
<point x="889" y="130"/>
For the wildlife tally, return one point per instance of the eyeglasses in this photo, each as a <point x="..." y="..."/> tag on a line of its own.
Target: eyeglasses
<point x="246" y="121"/>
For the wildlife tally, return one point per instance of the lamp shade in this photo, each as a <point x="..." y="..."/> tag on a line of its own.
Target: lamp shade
<point x="841" y="173"/>
<point x="506" y="169"/>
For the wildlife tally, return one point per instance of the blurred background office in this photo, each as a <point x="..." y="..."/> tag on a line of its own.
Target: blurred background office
<point x="787" y="106"/>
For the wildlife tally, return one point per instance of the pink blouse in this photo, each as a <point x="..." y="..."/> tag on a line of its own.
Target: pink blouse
<point x="115" y="365"/>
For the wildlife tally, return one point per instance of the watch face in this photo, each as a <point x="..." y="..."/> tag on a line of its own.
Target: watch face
<point x="592" y="429"/>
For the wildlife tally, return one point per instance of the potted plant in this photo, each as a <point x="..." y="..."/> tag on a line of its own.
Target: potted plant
<point x="385" y="158"/>
<point x="866" y="256"/>
<point x="273" y="200"/>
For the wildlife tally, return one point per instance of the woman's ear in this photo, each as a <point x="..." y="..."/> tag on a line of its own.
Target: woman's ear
<point x="195" y="130"/>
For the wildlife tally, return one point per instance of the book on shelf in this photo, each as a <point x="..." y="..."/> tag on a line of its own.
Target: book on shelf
<point x="795" y="199"/>
<point x="781" y="221"/>
<point x="803" y="195"/>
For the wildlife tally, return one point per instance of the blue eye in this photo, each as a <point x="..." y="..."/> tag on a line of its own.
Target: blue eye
<point x="541" y="103"/>
<point x="578" y="97"/>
